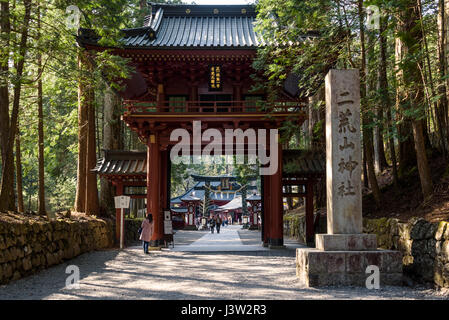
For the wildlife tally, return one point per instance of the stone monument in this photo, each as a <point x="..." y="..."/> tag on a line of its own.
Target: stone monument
<point x="341" y="256"/>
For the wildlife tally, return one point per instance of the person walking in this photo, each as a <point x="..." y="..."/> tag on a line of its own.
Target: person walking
<point x="147" y="232"/>
<point x="212" y="224"/>
<point x="218" y="224"/>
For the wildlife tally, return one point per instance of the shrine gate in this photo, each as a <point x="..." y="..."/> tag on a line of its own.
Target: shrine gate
<point x="194" y="63"/>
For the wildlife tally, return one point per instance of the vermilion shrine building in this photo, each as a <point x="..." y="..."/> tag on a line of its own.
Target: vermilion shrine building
<point x="222" y="191"/>
<point x="194" y="63"/>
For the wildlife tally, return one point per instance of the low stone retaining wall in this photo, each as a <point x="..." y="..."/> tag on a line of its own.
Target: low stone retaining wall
<point x="295" y="227"/>
<point x="131" y="231"/>
<point x="424" y="245"/>
<point x="29" y="244"/>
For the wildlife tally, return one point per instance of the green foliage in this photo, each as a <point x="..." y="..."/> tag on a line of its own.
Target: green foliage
<point x="59" y="50"/>
<point x="302" y="39"/>
<point x="334" y="41"/>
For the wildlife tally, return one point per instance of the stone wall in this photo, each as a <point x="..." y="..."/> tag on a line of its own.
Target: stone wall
<point x="30" y="244"/>
<point x="424" y="245"/>
<point x="295" y="227"/>
<point x="131" y="231"/>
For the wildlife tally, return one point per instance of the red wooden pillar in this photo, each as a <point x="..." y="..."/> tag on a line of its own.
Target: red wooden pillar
<point x="160" y="97"/>
<point x="237" y="92"/>
<point x="164" y="179"/>
<point x="310" y="233"/>
<point x="118" y="221"/>
<point x="153" y="189"/>
<point x="277" y="206"/>
<point x="250" y="212"/>
<point x="267" y="210"/>
<point x="194" y="92"/>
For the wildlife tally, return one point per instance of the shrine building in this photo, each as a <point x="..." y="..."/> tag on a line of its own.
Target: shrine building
<point x="218" y="191"/>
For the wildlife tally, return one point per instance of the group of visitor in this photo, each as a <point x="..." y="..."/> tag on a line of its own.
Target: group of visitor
<point x="216" y="222"/>
<point x="147" y="228"/>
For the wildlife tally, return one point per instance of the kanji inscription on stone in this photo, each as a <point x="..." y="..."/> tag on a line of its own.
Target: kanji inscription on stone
<point x="350" y="166"/>
<point x="343" y="152"/>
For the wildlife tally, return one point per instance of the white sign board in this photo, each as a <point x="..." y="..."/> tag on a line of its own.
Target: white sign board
<point x="167" y="215"/>
<point x="168" y="227"/>
<point x="122" y="202"/>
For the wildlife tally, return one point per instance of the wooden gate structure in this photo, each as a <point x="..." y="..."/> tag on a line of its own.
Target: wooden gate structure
<point x="194" y="63"/>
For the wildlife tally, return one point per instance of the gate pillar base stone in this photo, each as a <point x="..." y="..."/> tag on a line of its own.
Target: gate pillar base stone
<point x="342" y="260"/>
<point x="156" y="244"/>
<point x="275" y="242"/>
<point x="273" y="247"/>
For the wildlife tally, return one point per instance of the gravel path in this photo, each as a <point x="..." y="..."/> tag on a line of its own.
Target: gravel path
<point x="130" y="274"/>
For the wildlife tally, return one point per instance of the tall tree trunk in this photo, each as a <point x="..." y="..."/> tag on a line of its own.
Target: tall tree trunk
<point x="8" y="203"/>
<point x="424" y="76"/>
<point x="112" y="140"/>
<point x="380" y="138"/>
<point x="365" y="170"/>
<point x="92" y="206"/>
<point x="446" y="63"/>
<point x="407" y="155"/>
<point x="7" y="182"/>
<point x="19" y="179"/>
<point x="80" y="198"/>
<point x="411" y="36"/>
<point x="41" y="191"/>
<point x="367" y="132"/>
<point x="385" y="96"/>
<point x="423" y="165"/>
<point x="442" y="106"/>
<point x="380" y="162"/>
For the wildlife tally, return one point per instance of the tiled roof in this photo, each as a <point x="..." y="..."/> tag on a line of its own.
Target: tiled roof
<point x="254" y="197"/>
<point x="301" y="162"/>
<point x="122" y="163"/>
<point x="134" y="163"/>
<point x="235" y="204"/>
<point x="191" y="26"/>
<point x="198" y="32"/>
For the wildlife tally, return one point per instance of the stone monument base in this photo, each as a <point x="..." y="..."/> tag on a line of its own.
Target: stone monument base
<point x="316" y="268"/>
<point x="346" y="242"/>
